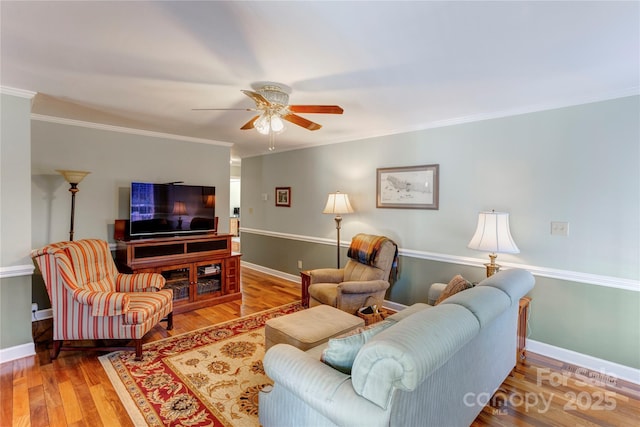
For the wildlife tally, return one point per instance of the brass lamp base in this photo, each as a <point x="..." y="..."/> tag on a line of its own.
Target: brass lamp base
<point x="492" y="267"/>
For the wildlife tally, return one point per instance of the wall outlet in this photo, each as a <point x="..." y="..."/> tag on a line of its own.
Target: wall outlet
<point x="300" y="264"/>
<point x="34" y="308"/>
<point x="559" y="228"/>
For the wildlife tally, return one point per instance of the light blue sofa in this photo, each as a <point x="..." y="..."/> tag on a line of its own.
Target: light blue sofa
<point x="427" y="369"/>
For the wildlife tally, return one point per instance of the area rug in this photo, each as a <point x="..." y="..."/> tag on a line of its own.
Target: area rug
<point x="208" y="377"/>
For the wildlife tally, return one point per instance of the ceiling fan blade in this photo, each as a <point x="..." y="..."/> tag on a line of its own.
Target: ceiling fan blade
<point x="249" y="124"/>
<point x="301" y="121"/>
<point x="322" y="109"/>
<point x="260" y="100"/>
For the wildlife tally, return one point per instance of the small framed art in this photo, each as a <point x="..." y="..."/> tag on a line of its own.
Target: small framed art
<point x="411" y="187"/>
<point x="283" y="196"/>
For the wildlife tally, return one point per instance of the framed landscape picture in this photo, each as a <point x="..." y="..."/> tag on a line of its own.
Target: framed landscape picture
<point x="283" y="196"/>
<point x="411" y="187"/>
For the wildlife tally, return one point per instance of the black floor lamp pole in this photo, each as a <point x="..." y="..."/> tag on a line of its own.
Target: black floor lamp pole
<point x="73" y="190"/>
<point x="73" y="178"/>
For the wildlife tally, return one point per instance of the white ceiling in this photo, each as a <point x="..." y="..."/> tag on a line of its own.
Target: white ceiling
<point x="393" y="66"/>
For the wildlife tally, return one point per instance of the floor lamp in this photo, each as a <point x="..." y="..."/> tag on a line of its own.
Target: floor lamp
<point x="338" y="203"/>
<point x="73" y="178"/>
<point x="493" y="235"/>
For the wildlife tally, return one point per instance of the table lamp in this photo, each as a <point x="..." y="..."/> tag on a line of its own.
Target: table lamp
<point x="493" y="235"/>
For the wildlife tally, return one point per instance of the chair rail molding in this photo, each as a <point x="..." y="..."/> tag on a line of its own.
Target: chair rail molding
<point x="552" y="273"/>
<point x="16" y="271"/>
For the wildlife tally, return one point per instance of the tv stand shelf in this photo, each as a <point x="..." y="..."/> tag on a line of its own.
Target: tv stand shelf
<point x="201" y="270"/>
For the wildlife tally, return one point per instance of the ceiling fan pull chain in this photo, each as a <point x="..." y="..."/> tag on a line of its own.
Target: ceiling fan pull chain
<point x="272" y="140"/>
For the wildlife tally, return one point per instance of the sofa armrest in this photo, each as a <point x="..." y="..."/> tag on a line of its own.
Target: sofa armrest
<point x="363" y="287"/>
<point x="139" y="282"/>
<point x="321" y="387"/>
<point x="326" y="275"/>
<point x="103" y="303"/>
<point x="434" y="292"/>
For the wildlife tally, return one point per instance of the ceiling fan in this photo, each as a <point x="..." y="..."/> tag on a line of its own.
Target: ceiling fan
<point x="272" y="101"/>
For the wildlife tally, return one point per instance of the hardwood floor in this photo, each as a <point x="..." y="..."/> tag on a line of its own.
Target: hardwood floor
<point x="73" y="390"/>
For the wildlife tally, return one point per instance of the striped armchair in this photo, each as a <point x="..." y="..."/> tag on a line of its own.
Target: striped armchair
<point x="91" y="300"/>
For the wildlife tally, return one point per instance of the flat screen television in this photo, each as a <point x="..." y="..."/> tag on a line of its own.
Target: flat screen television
<point x="171" y="209"/>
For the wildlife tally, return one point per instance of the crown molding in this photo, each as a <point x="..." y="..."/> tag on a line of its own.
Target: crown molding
<point x="5" y="90"/>
<point x="122" y="129"/>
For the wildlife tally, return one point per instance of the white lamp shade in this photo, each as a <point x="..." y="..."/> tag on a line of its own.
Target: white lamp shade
<point x="338" y="203"/>
<point x="493" y="234"/>
<point x="73" y="177"/>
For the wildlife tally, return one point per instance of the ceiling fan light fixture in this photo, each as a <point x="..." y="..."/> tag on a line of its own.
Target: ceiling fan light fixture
<point x="269" y="122"/>
<point x="262" y="124"/>
<point x="277" y="125"/>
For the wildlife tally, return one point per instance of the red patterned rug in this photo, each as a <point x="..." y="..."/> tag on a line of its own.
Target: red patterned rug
<point x="208" y="377"/>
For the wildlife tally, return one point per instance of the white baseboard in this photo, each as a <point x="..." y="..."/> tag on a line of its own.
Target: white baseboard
<point x="395" y="306"/>
<point x="17" y="352"/>
<point x="266" y="270"/>
<point x="42" y="315"/>
<point x="611" y="369"/>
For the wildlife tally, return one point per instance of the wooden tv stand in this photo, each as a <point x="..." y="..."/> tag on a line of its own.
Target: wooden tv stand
<point x="202" y="270"/>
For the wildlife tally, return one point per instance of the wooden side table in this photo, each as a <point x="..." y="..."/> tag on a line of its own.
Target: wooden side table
<point x="523" y="317"/>
<point x="305" y="282"/>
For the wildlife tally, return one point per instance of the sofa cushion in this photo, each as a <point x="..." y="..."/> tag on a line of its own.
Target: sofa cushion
<point x="455" y="285"/>
<point x="341" y="351"/>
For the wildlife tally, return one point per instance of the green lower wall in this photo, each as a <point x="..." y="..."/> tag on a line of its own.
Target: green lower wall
<point x="15" y="324"/>
<point x="283" y="254"/>
<point x="588" y="319"/>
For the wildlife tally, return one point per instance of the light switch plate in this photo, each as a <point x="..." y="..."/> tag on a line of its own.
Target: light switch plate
<point x="559" y="228"/>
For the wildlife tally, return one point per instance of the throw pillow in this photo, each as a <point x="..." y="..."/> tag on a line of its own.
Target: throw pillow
<point x="457" y="284"/>
<point x="341" y="351"/>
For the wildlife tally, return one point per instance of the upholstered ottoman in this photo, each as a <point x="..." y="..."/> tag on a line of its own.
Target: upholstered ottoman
<point x="309" y="328"/>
